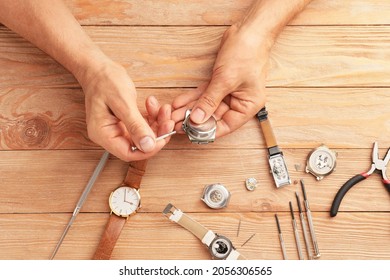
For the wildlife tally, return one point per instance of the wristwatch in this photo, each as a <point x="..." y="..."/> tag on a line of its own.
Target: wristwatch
<point x="200" y="133"/>
<point x="219" y="246"/>
<point x="124" y="201"/>
<point x="275" y="156"/>
<point x="321" y="162"/>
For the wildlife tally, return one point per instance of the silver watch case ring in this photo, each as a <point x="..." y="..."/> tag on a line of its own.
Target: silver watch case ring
<point x="200" y="133"/>
<point x="220" y="247"/>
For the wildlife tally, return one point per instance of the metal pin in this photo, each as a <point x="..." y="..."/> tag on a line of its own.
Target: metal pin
<point x="296" y="234"/>
<point x="304" y="230"/>
<point x="310" y="222"/>
<point x="134" y="148"/>
<point x="91" y="182"/>
<point x="239" y="226"/>
<point x="281" y="238"/>
<point x="248" y="239"/>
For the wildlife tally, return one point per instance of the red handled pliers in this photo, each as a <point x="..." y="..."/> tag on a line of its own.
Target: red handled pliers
<point x="378" y="165"/>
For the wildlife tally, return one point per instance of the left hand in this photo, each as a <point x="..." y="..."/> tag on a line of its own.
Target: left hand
<point x="235" y="92"/>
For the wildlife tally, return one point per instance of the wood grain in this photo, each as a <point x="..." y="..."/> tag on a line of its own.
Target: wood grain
<point x="221" y="12"/>
<point x="55" y="119"/>
<point x="34" y="236"/>
<point x="304" y="56"/>
<point x="56" y="179"/>
<point x="327" y="83"/>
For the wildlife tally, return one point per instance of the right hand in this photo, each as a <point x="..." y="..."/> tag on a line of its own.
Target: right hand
<point x="112" y="116"/>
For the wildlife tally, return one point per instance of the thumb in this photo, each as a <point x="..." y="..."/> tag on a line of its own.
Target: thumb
<point x="140" y="132"/>
<point x="209" y="101"/>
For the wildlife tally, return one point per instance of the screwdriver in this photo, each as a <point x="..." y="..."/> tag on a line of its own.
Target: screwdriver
<point x="296" y="234"/>
<point x="281" y="238"/>
<point x="134" y="148"/>
<point x="305" y="236"/>
<point x="310" y="221"/>
<point x="83" y="197"/>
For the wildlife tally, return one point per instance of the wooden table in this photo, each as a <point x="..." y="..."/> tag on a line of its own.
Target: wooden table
<point x="328" y="83"/>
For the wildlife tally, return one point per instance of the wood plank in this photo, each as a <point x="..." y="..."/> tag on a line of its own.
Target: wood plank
<point x="316" y="56"/>
<point x="52" y="181"/>
<point x="152" y="236"/>
<point x="221" y="12"/>
<point x="34" y="118"/>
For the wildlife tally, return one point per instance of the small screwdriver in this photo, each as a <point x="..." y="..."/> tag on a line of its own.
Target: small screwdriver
<point x="134" y="148"/>
<point x="296" y="234"/>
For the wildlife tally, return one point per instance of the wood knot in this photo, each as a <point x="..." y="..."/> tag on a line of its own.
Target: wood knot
<point x="35" y="132"/>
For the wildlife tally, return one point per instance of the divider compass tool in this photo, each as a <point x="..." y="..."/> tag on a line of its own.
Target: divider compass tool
<point x="275" y="156"/>
<point x="377" y="165"/>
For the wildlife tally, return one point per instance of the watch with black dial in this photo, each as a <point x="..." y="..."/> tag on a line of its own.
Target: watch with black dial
<point x="124" y="201"/>
<point x="219" y="246"/>
<point x="200" y="133"/>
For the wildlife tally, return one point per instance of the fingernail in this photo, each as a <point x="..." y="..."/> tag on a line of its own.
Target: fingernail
<point x="198" y="115"/>
<point x="147" y="144"/>
<point x="153" y="100"/>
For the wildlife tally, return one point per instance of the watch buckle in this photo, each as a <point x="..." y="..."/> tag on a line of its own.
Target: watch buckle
<point x="168" y="210"/>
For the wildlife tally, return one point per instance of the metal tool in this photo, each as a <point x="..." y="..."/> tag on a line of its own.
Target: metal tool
<point x="91" y="182"/>
<point x="281" y="238"/>
<point x="276" y="160"/>
<point x="134" y="148"/>
<point x="239" y="227"/>
<point x="296" y="233"/>
<point x="304" y="230"/>
<point x="377" y="165"/>
<point x="310" y="222"/>
<point x="248" y="239"/>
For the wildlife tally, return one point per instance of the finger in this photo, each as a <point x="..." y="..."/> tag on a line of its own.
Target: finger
<point x="125" y="108"/>
<point x="221" y="110"/>
<point x="179" y="114"/>
<point x="189" y="96"/>
<point x="209" y="101"/>
<point x="230" y="122"/>
<point x="152" y="107"/>
<point x="165" y="113"/>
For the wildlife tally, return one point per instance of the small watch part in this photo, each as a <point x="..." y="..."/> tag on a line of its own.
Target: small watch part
<point x="200" y="133"/>
<point x="251" y="184"/>
<point x="216" y="196"/>
<point x="321" y="162"/>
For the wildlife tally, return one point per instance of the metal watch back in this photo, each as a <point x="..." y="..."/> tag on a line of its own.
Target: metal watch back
<point x="216" y="196"/>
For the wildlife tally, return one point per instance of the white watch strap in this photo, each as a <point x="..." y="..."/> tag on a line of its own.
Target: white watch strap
<point x="202" y="233"/>
<point x="206" y="236"/>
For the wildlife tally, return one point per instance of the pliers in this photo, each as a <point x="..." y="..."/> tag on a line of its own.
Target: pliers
<point x="378" y="165"/>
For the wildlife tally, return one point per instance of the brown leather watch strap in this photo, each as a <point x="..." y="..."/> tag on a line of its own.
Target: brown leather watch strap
<point x="266" y="127"/>
<point x="115" y="223"/>
<point x="111" y="234"/>
<point x="134" y="173"/>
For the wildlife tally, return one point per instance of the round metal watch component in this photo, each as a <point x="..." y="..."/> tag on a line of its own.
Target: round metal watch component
<point x="321" y="162"/>
<point x="200" y="133"/>
<point x="216" y="196"/>
<point x="220" y="247"/>
<point x="251" y="184"/>
<point x="124" y="201"/>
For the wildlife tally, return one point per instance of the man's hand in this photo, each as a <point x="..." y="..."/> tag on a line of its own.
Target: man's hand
<point x="236" y="90"/>
<point x="113" y="119"/>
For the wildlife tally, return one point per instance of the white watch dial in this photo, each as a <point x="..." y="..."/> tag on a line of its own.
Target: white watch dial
<point x="124" y="201"/>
